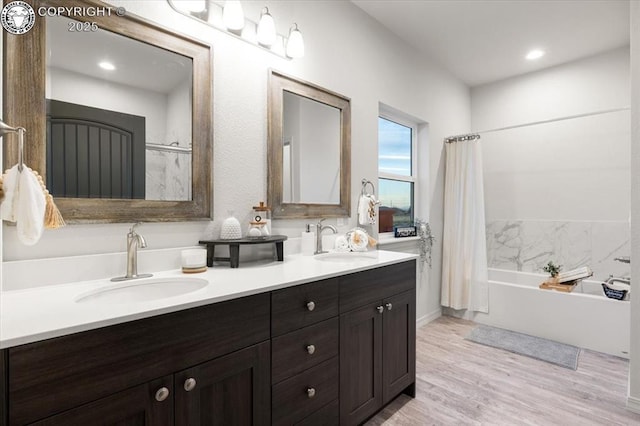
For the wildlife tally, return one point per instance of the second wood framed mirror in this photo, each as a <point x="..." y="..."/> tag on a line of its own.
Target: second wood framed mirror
<point x="309" y="149"/>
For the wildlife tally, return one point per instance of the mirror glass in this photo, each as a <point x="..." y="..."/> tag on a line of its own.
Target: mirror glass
<point x="118" y="116"/>
<point x="311" y="151"/>
<point x="84" y="123"/>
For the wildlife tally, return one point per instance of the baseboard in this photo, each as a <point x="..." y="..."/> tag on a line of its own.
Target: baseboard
<point x="426" y="319"/>
<point x="633" y="404"/>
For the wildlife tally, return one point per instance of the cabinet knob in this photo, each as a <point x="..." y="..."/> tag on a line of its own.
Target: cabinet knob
<point x="311" y="305"/>
<point x="380" y="309"/>
<point x="162" y="394"/>
<point x="389" y="306"/>
<point x="311" y="392"/>
<point x="189" y="384"/>
<point x="311" y="349"/>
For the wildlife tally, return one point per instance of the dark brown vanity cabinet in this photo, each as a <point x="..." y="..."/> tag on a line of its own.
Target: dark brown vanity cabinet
<point x="203" y="366"/>
<point x="305" y="354"/>
<point x="324" y="353"/>
<point x="377" y="340"/>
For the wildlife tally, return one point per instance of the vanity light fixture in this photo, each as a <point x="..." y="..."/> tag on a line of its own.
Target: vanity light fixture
<point x="266" y="32"/>
<point x="295" y="43"/>
<point x="229" y="18"/>
<point x="534" y="54"/>
<point x="107" y="66"/>
<point x="232" y="15"/>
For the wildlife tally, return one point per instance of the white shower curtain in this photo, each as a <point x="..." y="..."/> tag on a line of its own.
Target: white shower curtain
<point x="464" y="254"/>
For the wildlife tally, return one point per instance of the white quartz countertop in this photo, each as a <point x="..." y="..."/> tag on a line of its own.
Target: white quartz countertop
<point x="52" y="310"/>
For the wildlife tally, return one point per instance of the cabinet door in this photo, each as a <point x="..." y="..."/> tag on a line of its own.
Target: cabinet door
<point x="144" y="405"/>
<point x="360" y="363"/>
<point x="231" y="390"/>
<point x="4" y="409"/>
<point x="399" y="344"/>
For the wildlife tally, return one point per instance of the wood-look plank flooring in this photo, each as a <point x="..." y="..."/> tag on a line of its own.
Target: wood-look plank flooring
<point x="464" y="383"/>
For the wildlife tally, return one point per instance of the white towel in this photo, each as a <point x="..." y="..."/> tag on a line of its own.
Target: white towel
<point x="367" y="213"/>
<point x="24" y="203"/>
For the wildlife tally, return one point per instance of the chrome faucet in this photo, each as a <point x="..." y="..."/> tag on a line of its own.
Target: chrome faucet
<point x="134" y="240"/>
<point x="319" y="228"/>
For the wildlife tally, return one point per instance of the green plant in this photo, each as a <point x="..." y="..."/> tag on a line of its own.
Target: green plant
<point x="552" y="269"/>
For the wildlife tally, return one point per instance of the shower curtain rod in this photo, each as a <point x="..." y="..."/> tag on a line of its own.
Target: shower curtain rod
<point x="460" y="138"/>
<point x="168" y="148"/>
<point x="476" y="135"/>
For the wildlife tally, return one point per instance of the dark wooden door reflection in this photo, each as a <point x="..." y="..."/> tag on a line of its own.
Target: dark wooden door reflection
<point x="94" y="153"/>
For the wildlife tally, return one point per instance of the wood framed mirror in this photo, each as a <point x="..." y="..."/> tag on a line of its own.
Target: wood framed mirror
<point x="309" y="150"/>
<point x="90" y="197"/>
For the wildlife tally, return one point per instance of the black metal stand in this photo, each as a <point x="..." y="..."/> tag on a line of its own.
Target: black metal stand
<point x="234" y="248"/>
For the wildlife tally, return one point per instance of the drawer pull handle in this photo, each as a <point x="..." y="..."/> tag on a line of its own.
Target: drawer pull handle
<point x="389" y="306"/>
<point x="162" y="394"/>
<point x="311" y="392"/>
<point x="380" y="309"/>
<point x="311" y="349"/>
<point x="311" y="306"/>
<point x="190" y="384"/>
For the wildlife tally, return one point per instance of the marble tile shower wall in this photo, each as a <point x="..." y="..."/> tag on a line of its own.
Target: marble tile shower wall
<point x="525" y="245"/>
<point x="168" y="175"/>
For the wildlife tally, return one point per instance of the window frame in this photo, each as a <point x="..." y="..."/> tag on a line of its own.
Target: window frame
<point x="413" y="178"/>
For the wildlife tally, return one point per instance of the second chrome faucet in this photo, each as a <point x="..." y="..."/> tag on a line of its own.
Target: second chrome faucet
<point x="319" y="228"/>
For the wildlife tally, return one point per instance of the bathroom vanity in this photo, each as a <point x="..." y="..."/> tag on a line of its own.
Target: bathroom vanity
<point x="331" y="343"/>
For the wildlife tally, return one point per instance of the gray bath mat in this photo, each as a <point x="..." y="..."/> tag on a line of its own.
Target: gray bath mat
<point x="534" y="347"/>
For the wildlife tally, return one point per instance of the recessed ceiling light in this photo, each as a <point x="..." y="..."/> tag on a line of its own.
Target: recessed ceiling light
<point x="535" y="54"/>
<point x="107" y="66"/>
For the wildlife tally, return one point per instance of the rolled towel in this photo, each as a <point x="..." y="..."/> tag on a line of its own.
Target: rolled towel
<point x="341" y="244"/>
<point x="24" y="204"/>
<point x="359" y="240"/>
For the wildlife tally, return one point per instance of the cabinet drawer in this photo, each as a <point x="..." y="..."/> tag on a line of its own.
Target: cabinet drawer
<point x="365" y="287"/>
<point x="290" y="309"/>
<point x="292" y="354"/>
<point x="290" y="398"/>
<point x="329" y="415"/>
<point x="58" y="374"/>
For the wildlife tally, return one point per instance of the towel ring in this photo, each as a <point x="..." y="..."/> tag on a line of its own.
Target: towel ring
<point x="366" y="182"/>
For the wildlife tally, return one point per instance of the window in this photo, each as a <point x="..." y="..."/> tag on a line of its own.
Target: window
<point x="396" y="172"/>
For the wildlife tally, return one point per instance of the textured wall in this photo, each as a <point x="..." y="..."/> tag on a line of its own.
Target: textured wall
<point x="346" y="52"/>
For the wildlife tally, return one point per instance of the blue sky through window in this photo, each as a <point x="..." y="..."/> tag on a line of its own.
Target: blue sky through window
<point x="394" y="148"/>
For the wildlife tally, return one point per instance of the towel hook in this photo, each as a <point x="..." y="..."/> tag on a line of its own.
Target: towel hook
<point x="4" y="129"/>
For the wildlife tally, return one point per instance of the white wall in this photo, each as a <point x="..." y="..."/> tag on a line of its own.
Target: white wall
<point x="347" y="52"/>
<point x="81" y="89"/>
<point x="178" y="127"/>
<point x="319" y="149"/>
<point x="558" y="190"/>
<point x="592" y="84"/>
<point x="634" y="365"/>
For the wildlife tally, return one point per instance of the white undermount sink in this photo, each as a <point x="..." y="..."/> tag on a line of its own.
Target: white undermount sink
<point x="347" y="257"/>
<point x="143" y="290"/>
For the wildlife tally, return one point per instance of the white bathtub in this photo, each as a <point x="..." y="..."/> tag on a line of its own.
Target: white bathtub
<point x="584" y="318"/>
